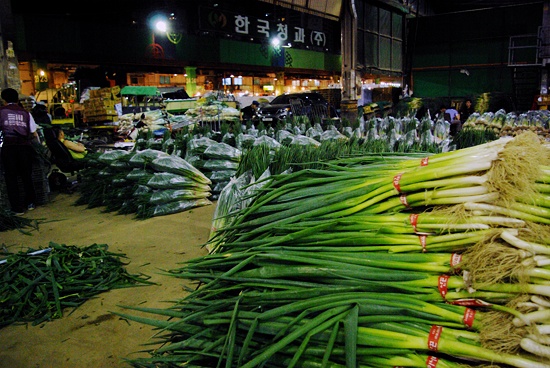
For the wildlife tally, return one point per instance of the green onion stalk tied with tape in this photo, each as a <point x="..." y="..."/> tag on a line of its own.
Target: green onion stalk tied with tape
<point x="377" y="263"/>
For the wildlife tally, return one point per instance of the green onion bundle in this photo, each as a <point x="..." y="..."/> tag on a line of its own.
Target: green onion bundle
<point x="397" y="262"/>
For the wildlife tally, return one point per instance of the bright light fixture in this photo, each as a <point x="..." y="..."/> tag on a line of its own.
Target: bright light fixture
<point x="161" y="26"/>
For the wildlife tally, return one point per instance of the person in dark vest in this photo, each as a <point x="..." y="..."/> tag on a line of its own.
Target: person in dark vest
<point x="249" y="112"/>
<point x="18" y="130"/>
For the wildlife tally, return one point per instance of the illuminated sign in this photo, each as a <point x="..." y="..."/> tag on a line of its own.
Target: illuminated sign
<point x="296" y="31"/>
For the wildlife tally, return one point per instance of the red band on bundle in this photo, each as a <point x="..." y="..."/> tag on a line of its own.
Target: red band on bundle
<point x="433" y="337"/>
<point x="396" y="180"/>
<point x="442" y="285"/>
<point x="413" y="219"/>
<point x="469" y="316"/>
<point x="423" y="242"/>
<point x="471" y="303"/>
<point x="403" y="200"/>
<point x="424" y="161"/>
<point x="455" y="259"/>
<point x="431" y="362"/>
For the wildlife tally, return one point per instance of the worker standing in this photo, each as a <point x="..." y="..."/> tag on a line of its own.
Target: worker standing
<point x="18" y="129"/>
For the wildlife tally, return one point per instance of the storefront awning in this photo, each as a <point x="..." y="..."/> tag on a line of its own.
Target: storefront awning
<point x="140" y="91"/>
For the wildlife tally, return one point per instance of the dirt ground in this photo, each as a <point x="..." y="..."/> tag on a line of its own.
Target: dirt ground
<point x="91" y="336"/>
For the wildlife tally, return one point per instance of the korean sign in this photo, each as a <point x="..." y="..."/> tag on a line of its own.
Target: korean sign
<point x="247" y="27"/>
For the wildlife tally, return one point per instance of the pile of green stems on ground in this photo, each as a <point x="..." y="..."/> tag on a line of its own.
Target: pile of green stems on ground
<point x="39" y="285"/>
<point x="374" y="262"/>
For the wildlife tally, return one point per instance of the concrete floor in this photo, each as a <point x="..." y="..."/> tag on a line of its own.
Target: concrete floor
<point x="91" y="336"/>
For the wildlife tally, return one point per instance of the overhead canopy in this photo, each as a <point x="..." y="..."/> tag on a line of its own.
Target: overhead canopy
<point x="325" y="8"/>
<point x="140" y="91"/>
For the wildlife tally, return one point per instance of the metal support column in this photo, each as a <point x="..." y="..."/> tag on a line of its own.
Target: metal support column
<point x="349" y="60"/>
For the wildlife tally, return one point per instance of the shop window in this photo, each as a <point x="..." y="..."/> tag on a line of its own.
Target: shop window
<point x="164" y="79"/>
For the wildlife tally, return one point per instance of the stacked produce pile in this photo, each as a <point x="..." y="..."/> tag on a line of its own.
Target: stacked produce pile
<point x="146" y="182"/>
<point x="218" y="161"/>
<point x="510" y="124"/>
<point x="210" y="109"/>
<point x="379" y="261"/>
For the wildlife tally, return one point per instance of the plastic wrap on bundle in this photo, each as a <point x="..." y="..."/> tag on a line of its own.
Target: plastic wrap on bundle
<point x="165" y="180"/>
<point x="297" y="131"/>
<point x="427" y="138"/>
<point x="244" y="141"/>
<point x="120" y="165"/>
<point x="357" y="134"/>
<point x="383" y="126"/>
<point x="177" y="165"/>
<point x="223" y="151"/>
<point x="333" y="135"/>
<point x="109" y="157"/>
<point x="179" y="206"/>
<point x="172" y="195"/>
<point x="268" y="141"/>
<point x="393" y="138"/>
<point x="251" y="190"/>
<point x="168" y="145"/>
<point x="284" y="137"/>
<point x="303" y="140"/>
<point x="314" y="133"/>
<point x="142" y="158"/>
<point x="197" y="146"/>
<point x="408" y="139"/>
<point x="137" y="174"/>
<point x="215" y="164"/>
<point x="141" y="190"/>
<point x="230" y="201"/>
<point x="441" y="130"/>
<point x="372" y="133"/>
<point x="252" y="131"/>
<point x="222" y="175"/>
<point x="348" y="131"/>
<point x="446" y="145"/>
<point x="196" y="161"/>
<point x="218" y="187"/>
<point x="229" y="138"/>
<point x="398" y="126"/>
<point x="154" y="143"/>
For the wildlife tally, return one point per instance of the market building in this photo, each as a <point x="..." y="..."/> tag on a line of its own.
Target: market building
<point x="370" y="49"/>
<point x="295" y="232"/>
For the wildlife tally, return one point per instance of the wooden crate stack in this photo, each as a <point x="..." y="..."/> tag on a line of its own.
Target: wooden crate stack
<point x="100" y="107"/>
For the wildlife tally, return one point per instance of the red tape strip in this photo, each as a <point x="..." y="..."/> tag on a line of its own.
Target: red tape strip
<point x="442" y="285"/>
<point x="456" y="259"/>
<point x="396" y="180"/>
<point x="403" y="200"/>
<point x="433" y="337"/>
<point x="422" y="239"/>
<point x="424" y="161"/>
<point x="413" y="219"/>
<point x="469" y="316"/>
<point x="471" y="303"/>
<point x="431" y="362"/>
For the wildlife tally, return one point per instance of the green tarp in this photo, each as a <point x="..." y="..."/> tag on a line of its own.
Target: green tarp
<point x="140" y="91"/>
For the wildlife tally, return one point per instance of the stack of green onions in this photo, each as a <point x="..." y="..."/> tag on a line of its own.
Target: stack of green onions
<point x="400" y="262"/>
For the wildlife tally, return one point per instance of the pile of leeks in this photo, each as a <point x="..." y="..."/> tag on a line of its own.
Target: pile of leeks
<point x="439" y="261"/>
